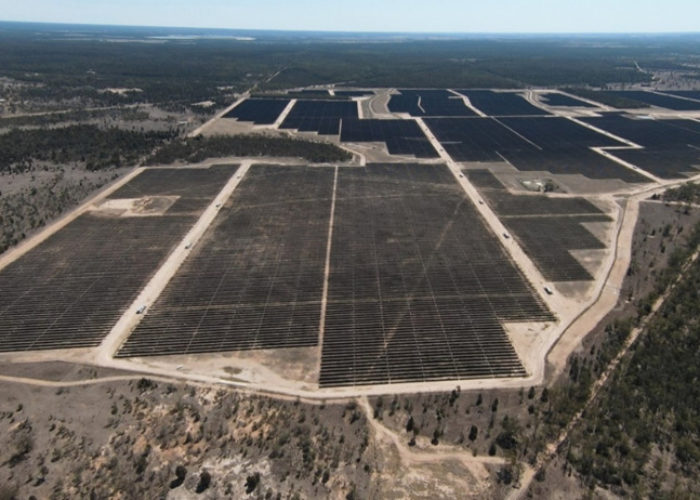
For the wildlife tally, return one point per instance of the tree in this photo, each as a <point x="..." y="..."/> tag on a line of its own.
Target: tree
<point x="252" y="482"/>
<point x="180" y="473"/>
<point x="473" y="433"/>
<point x="410" y="424"/>
<point x="204" y="482"/>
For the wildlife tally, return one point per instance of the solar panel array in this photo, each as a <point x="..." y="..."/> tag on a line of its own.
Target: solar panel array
<point x="192" y="185"/>
<point x="71" y="289"/>
<point x="557" y="99"/>
<point x="418" y="285"/>
<point x="552" y="144"/>
<point x="429" y="103"/>
<point x="501" y="103"/>
<point x="319" y="116"/>
<point x="547" y="228"/>
<point x="353" y="93"/>
<point x="687" y="94"/>
<point x="402" y="137"/>
<point x="657" y="99"/>
<point x="255" y="281"/>
<point x="259" y="111"/>
<point x="312" y="92"/>
<point x="671" y="147"/>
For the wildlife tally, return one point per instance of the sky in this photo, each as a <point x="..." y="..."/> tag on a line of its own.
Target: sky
<point x="436" y="16"/>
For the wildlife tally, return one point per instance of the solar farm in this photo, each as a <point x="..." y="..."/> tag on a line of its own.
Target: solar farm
<point x="473" y="229"/>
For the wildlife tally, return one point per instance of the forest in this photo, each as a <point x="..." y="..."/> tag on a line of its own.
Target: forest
<point x="52" y="66"/>
<point x="647" y="418"/>
<point x="88" y="145"/>
<point x="197" y="149"/>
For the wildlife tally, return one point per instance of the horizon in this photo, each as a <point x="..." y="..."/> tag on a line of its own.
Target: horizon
<point x="372" y="16"/>
<point x="359" y="31"/>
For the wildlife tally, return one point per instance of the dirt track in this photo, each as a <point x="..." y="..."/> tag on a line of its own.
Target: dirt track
<point x="414" y="456"/>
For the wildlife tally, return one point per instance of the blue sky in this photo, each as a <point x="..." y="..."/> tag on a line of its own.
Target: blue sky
<point x="463" y="16"/>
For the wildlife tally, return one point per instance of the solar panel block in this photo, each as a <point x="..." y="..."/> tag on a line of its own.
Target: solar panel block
<point x="256" y="278"/>
<point x="429" y="103"/>
<point x="657" y="99"/>
<point x="259" y="111"/>
<point x="501" y="103"/>
<point x="671" y="147"/>
<point x="557" y="99"/>
<point x="402" y="137"/>
<point x="322" y="117"/>
<point x="552" y="144"/>
<point x="546" y="228"/>
<point x="418" y="285"/>
<point x="70" y="290"/>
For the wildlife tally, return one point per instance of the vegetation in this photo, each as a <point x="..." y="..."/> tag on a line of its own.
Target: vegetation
<point x="143" y="439"/>
<point x="32" y="207"/>
<point x="518" y="424"/>
<point x="88" y="145"/>
<point x="648" y="418"/>
<point x="686" y="193"/>
<point x="49" y="67"/>
<point x="79" y="115"/>
<point x="200" y="148"/>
